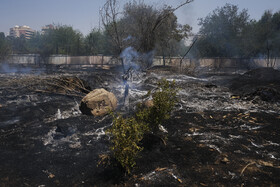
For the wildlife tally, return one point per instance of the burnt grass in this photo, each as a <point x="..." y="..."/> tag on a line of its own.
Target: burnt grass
<point x="223" y="132"/>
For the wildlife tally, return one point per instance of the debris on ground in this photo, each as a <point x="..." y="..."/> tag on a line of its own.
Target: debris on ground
<point x="217" y="135"/>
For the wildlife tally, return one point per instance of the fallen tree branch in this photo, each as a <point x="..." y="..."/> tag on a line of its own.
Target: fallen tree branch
<point x="66" y="94"/>
<point x="160" y="20"/>
<point x="246" y="167"/>
<point x="181" y="61"/>
<point x="63" y="87"/>
<point x="81" y="85"/>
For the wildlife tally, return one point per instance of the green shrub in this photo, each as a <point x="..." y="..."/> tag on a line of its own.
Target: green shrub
<point x="126" y="133"/>
<point x="164" y="99"/>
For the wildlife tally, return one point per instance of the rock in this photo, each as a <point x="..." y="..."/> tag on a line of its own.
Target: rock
<point x="149" y="103"/>
<point x="225" y="160"/>
<point x="211" y="85"/>
<point x="98" y="102"/>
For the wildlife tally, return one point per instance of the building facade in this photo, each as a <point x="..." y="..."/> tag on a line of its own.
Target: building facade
<point x="17" y="31"/>
<point x="47" y="28"/>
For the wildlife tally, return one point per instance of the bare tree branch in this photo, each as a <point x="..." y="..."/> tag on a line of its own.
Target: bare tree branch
<point x="161" y="19"/>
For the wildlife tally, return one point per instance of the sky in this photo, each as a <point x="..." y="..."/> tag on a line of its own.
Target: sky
<point x="83" y="15"/>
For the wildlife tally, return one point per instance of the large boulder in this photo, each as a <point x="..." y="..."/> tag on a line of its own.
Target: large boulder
<point x="98" y="102"/>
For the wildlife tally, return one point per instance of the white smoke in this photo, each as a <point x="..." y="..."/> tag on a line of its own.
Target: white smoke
<point x="8" y="68"/>
<point x="136" y="60"/>
<point x="130" y="57"/>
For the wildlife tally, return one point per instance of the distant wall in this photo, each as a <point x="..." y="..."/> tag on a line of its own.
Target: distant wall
<point x="219" y="63"/>
<point x="61" y="60"/>
<point x="81" y="60"/>
<point x="216" y="63"/>
<point x="24" y="59"/>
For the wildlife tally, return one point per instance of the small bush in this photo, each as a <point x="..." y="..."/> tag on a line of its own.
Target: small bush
<point x="164" y="99"/>
<point x="126" y="133"/>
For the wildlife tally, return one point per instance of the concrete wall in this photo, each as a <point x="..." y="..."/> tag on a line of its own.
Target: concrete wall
<point x="217" y="63"/>
<point x="80" y="60"/>
<point x="35" y="59"/>
<point x="24" y="59"/>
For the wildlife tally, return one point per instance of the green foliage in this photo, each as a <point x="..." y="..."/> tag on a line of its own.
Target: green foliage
<point x="164" y="99"/>
<point x="126" y="133"/>
<point x="267" y="37"/>
<point x="5" y="48"/>
<point x="222" y="32"/>
<point x="64" y="40"/>
<point x="228" y="32"/>
<point x="19" y="45"/>
<point x="97" y="42"/>
<point x="144" y="28"/>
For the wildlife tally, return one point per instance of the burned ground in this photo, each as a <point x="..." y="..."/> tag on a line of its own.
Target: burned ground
<point x="221" y="133"/>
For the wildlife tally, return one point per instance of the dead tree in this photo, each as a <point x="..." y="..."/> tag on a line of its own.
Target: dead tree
<point x="181" y="61"/>
<point x="164" y="16"/>
<point x="109" y="16"/>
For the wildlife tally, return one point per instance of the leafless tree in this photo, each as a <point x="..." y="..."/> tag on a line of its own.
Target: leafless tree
<point x="110" y="17"/>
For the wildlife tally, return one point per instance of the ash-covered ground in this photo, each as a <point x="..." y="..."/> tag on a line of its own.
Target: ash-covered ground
<point x="223" y="132"/>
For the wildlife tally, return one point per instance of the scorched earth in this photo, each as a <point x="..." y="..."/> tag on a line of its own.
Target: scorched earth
<point x="223" y="132"/>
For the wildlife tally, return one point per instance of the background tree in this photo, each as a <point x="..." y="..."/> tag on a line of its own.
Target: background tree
<point x="140" y="26"/>
<point x="267" y="37"/>
<point x="19" y="45"/>
<point x="111" y="21"/>
<point x="172" y="43"/>
<point x="34" y="44"/>
<point x="95" y="43"/>
<point x="5" y="48"/>
<point x="62" y="39"/>
<point x="66" y="40"/>
<point x="221" y="32"/>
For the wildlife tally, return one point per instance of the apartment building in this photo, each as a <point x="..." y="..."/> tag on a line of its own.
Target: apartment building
<point x="17" y="31"/>
<point x="47" y="28"/>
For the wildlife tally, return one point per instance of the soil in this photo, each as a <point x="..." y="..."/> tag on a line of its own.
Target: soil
<point x="263" y="83"/>
<point x="223" y="132"/>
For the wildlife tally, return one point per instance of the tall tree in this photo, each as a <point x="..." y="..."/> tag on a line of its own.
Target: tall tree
<point x="268" y="37"/>
<point x="62" y="39"/>
<point x="19" y="45"/>
<point x="95" y="42"/>
<point x="5" y="48"/>
<point x="221" y="32"/>
<point x="141" y="26"/>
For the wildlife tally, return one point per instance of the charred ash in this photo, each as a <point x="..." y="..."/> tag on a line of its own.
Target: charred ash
<point x="224" y="130"/>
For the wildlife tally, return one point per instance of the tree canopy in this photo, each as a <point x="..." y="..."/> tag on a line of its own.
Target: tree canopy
<point x="228" y="32"/>
<point x="144" y="28"/>
<point x="5" y="48"/>
<point x="149" y="30"/>
<point x="221" y="32"/>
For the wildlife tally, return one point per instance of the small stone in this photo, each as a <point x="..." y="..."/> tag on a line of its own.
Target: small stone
<point x="225" y="160"/>
<point x="51" y="175"/>
<point x="149" y="103"/>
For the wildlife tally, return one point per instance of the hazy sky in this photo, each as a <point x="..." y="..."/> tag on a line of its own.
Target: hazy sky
<point x="83" y="15"/>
